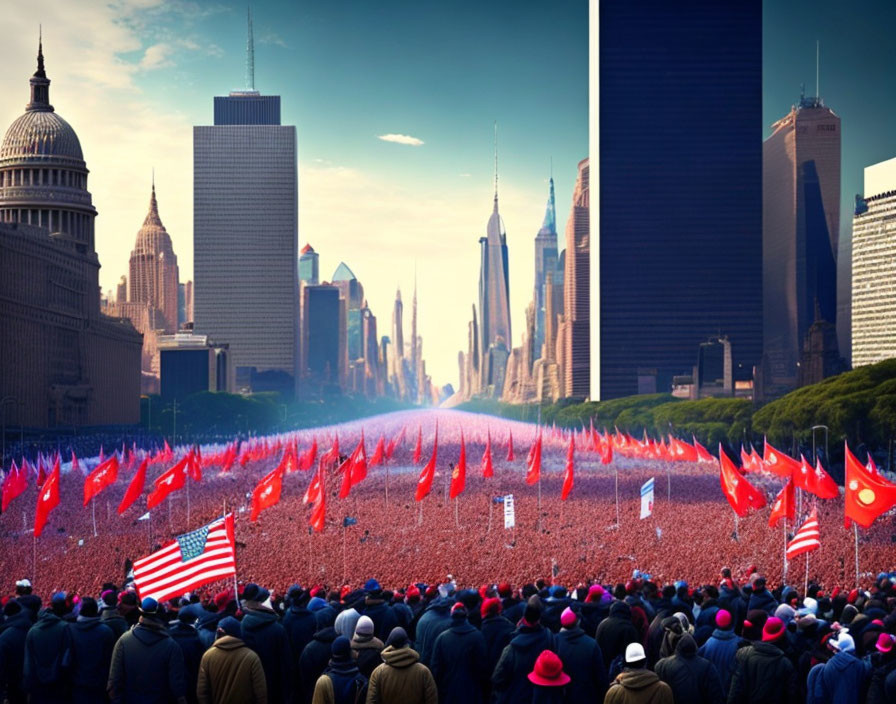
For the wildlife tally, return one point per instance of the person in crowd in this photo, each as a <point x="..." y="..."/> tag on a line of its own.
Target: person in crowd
<point x="230" y="671"/>
<point x="314" y="659"/>
<point x="300" y="625"/>
<point x="378" y="610"/>
<point x="147" y="665"/>
<point x="459" y="661"/>
<point x="883" y="663"/>
<point x="761" y="597"/>
<point x="186" y="636"/>
<point x="721" y="648"/>
<point x="401" y="679"/>
<point x="435" y="620"/>
<point x="636" y="684"/>
<point x="262" y="631"/>
<point x="510" y="680"/>
<point x="90" y="654"/>
<point x="692" y="679"/>
<point x="582" y="660"/>
<point x="341" y="682"/>
<point x="616" y="631"/>
<point x="762" y="672"/>
<point x="843" y="679"/>
<point x="549" y="682"/>
<point x="110" y="615"/>
<point x="46" y="644"/>
<point x="366" y="647"/>
<point x="17" y="622"/>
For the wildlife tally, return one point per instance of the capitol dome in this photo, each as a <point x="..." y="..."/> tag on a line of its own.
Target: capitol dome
<point x="41" y="133"/>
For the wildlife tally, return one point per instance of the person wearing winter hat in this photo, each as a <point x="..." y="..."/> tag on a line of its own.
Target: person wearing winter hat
<point x="147" y="665"/>
<point x="721" y="648"/>
<point x="616" y="631"/>
<point x="753" y="625"/>
<point x="110" y="614"/>
<point x="45" y="646"/>
<point x="549" y="681"/>
<point x="843" y="679"/>
<point x="341" y="682"/>
<point x="401" y="679"/>
<point x="230" y="671"/>
<point x="263" y="633"/>
<point x="510" y="681"/>
<point x="315" y="658"/>
<point x="184" y="633"/>
<point x="366" y="647"/>
<point x="883" y="665"/>
<point x="300" y="626"/>
<point x="692" y="678"/>
<point x="378" y="610"/>
<point x="762" y="672"/>
<point x="582" y="660"/>
<point x="459" y="661"/>
<point x="89" y="655"/>
<point x="636" y="684"/>
<point x="497" y="630"/>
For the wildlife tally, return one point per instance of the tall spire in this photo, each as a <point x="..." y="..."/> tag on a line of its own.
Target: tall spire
<point x="817" y="65"/>
<point x="496" y="166"/>
<point x="250" y="52"/>
<point x="40" y="84"/>
<point x="549" y="226"/>
<point x="152" y="217"/>
<point x="40" y="52"/>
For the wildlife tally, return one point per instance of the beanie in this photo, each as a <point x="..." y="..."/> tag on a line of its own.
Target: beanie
<point x="398" y="638"/>
<point x="229" y="626"/>
<point x="341" y="648"/>
<point x="723" y="619"/>
<point x="491" y="607"/>
<point x="364" y="626"/>
<point x="458" y="611"/>
<point x="568" y="618"/>
<point x="532" y="612"/>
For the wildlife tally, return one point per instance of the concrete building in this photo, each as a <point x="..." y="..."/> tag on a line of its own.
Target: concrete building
<point x="545" y="263"/>
<point x="309" y="266"/>
<point x="874" y="267"/>
<point x="323" y="340"/>
<point x="576" y="292"/>
<point x="61" y="360"/>
<point x="191" y="364"/>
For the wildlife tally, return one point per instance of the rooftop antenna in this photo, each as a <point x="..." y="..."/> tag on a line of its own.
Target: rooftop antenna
<point x="552" y="167"/>
<point x="250" y="52"/>
<point x="496" y="163"/>
<point x="817" y="64"/>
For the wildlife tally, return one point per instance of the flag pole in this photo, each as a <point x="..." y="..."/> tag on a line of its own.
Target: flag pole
<point x="855" y="528"/>
<point x="188" y="503"/>
<point x="236" y="586"/>
<point x="93" y="512"/>
<point x="806" y="583"/>
<point x="736" y="534"/>
<point x="344" y="561"/>
<point x="538" y="523"/>
<point x="784" y="579"/>
<point x="616" y="470"/>
<point x="456" y="519"/>
<point x="34" y="557"/>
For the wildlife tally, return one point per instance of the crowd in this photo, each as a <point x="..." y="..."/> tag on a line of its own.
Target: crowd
<point x="642" y="642"/>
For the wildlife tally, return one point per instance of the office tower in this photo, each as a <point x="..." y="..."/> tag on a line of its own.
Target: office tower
<point x="62" y="362"/>
<point x="245" y="213"/>
<point x="545" y="262"/>
<point x="322" y="338"/>
<point x="188" y="303"/>
<point x="309" y="266"/>
<point x="800" y="226"/>
<point x="677" y="250"/>
<point x="874" y="267"/>
<point x="576" y="292"/>
<point x="373" y="382"/>
<point x="396" y="350"/>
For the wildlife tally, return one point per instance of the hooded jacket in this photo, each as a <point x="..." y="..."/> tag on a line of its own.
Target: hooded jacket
<point x="313" y="662"/>
<point x="720" y="650"/>
<point x="89" y="657"/>
<point x="266" y="636"/>
<point x="12" y="654"/>
<point x="45" y="647"/>
<point x="366" y="651"/>
<point x="459" y="664"/>
<point x="763" y="675"/>
<point x="693" y="679"/>
<point x="762" y="599"/>
<point x="510" y="680"/>
<point x="584" y="663"/>
<point x="497" y="631"/>
<point x="382" y="615"/>
<point x="187" y="637"/>
<point x="112" y="617"/>
<point x="147" y="666"/>
<point x="434" y="621"/>
<point x="231" y="672"/>
<point x="843" y="679"/>
<point x="341" y="683"/>
<point x="638" y="687"/>
<point x="616" y="632"/>
<point x="401" y="679"/>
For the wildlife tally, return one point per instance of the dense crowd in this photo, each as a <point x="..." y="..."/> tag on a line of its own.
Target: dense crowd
<point x="645" y="641"/>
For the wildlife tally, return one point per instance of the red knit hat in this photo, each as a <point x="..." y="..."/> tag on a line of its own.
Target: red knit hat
<point x="490" y="607"/>
<point x="884" y="643"/>
<point x="505" y="591"/>
<point x="548" y="671"/>
<point x="723" y="619"/>
<point x="595" y="592"/>
<point x="222" y="599"/>
<point x="853" y="596"/>
<point x="568" y="618"/>
<point x="772" y="630"/>
<point x="413" y="592"/>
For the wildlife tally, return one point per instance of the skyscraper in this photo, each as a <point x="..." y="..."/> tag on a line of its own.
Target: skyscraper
<point x="677" y="250"/>
<point x="322" y="339"/>
<point x="800" y="226"/>
<point x="245" y="215"/>
<point x="309" y="266"/>
<point x="576" y="292"/>
<point x="545" y="262"/>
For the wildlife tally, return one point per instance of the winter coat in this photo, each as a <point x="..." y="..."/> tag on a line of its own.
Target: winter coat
<point x="300" y="625"/>
<point x="147" y="666"/>
<point x="341" y="683"/>
<point x="112" y="617"/>
<point x="459" y="664"/>
<point x="12" y="655"/>
<point x="497" y="631"/>
<point x="366" y="650"/>
<point x="877" y="687"/>
<point x="584" y="663"/>
<point x="230" y="671"/>
<point x="88" y="658"/>
<point x="763" y="675"/>
<point x="207" y="629"/>
<point x="638" y="687"/>
<point x="313" y="662"/>
<point x="383" y="617"/>
<point x="762" y="600"/>
<point x="434" y="621"/>
<point x="401" y="679"/>
<point x="694" y="680"/>
<point x="732" y="601"/>
<point x="552" y="695"/>
<point x="510" y="680"/>
<point x="720" y="650"/>
<point x="553" y="607"/>
<point x="346" y="621"/>
<point x="592" y="613"/>
<point x="616" y="632"/>
<point x="266" y="636"/>
<point x="706" y="621"/>
<point x="188" y="639"/>
<point x="45" y="647"/>
<point x="841" y="680"/>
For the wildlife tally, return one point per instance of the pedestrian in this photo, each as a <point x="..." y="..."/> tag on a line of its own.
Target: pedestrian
<point x="843" y="679"/>
<point x="496" y="630"/>
<point x="378" y="610"/>
<point x="110" y="615"/>
<point x="341" y="682"/>
<point x="401" y="679"/>
<point x="761" y="598"/>
<point x="582" y="660"/>
<point x="550" y="684"/>
<point x="721" y="648"/>
<point x="616" y="631"/>
<point x="300" y="625"/>
<point x="510" y="680"/>
<point x="636" y="684"/>
<point x="314" y="660"/>
<point x="366" y="647"/>
<point x="459" y="661"/>
<point x="762" y="673"/>
<point x="883" y="663"/>
<point x="230" y="671"/>
<point x="147" y="665"/>
<point x="186" y="636"/>
<point x="12" y="651"/>
<point x="693" y="679"/>
<point x="90" y="654"/>
<point x="45" y="648"/>
<point x="435" y="620"/>
<point x="262" y="631"/>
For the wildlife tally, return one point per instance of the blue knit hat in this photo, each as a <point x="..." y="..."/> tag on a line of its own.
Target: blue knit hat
<point x="229" y="626"/>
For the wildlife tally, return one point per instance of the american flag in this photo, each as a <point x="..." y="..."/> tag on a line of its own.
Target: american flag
<point x="807" y="538"/>
<point x="191" y="560"/>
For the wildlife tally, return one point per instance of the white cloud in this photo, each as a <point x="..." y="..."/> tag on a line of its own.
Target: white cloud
<point x="157" y="56"/>
<point x="401" y="139"/>
<point x="268" y="37"/>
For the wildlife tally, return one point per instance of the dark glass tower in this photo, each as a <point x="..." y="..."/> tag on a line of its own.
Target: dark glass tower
<point x="679" y="248"/>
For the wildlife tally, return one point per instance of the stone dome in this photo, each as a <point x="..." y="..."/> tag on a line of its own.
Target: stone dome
<point x="40" y="133"/>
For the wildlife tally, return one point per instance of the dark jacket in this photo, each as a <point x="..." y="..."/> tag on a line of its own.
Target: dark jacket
<point x="147" y="666"/>
<point x="497" y="631"/>
<point x="616" y="632"/>
<point x="841" y="680"/>
<point x="313" y="661"/>
<point x="552" y="695"/>
<point x="763" y="600"/>
<point x="383" y="617"/>
<point x="693" y="679"/>
<point x="720" y="650"/>
<point x="115" y="621"/>
<point x="230" y="672"/>
<point x="188" y="639"/>
<point x="401" y="679"/>
<point x="592" y="613"/>
<point x="638" y="687"/>
<point x="763" y="675"/>
<point x="45" y="647"/>
<point x="877" y="688"/>
<point x="510" y="680"/>
<point x="266" y="636"/>
<point x="12" y="655"/>
<point x="88" y="658"/>
<point x="341" y="683"/>
<point x="553" y="607"/>
<point x="300" y="625"/>
<point x="584" y="663"/>
<point x="434" y="621"/>
<point x="366" y="650"/>
<point x="460" y="664"/>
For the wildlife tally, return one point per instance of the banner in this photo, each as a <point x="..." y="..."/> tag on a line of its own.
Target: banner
<point x="509" y="512"/>
<point x="647" y="499"/>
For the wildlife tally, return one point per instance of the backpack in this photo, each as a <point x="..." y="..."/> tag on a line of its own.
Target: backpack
<point x="349" y="690"/>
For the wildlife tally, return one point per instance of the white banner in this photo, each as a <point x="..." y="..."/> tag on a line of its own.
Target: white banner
<point x="509" y="512"/>
<point x="647" y="499"/>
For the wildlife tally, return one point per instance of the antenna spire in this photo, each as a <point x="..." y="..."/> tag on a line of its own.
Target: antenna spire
<point x="817" y="65"/>
<point x="496" y="164"/>
<point x="250" y="52"/>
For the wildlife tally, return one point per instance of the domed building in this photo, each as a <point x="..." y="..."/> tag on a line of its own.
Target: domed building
<point x="61" y="360"/>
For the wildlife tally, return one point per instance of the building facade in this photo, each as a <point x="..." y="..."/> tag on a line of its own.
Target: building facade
<point x="545" y="263"/>
<point x="61" y="360"/>
<point x="577" y="292"/>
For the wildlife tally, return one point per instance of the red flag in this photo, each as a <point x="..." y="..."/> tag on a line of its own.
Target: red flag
<point x="75" y="466"/>
<point x="135" y="488"/>
<point x="606" y="453"/>
<point x="346" y="469"/>
<point x="316" y="487"/>
<point x="568" y="477"/>
<point x="533" y="470"/>
<point x="47" y="500"/>
<point x="289" y="463"/>
<point x="379" y="454"/>
<point x="459" y="474"/>
<point x="318" y="512"/>
<point x="424" y="483"/>
<point x="777" y="462"/>
<point x="746" y="460"/>
<point x="703" y="455"/>
<point x="332" y="455"/>
<point x="167" y="483"/>
<point x="102" y="456"/>
<point x="418" y="450"/>
<point x="488" y="469"/>
<point x="821" y="484"/>
<point x="682" y="451"/>
<point x="104" y="475"/>
<point x="359" y="462"/>
<point x="229" y="458"/>
<point x="167" y="452"/>
<point x="740" y="493"/>
<point x="266" y="492"/>
<point x="784" y="506"/>
<point x="807" y="538"/>
<point x="867" y="496"/>
<point x="41" y="474"/>
<point x="14" y="485"/>
<point x="194" y="464"/>
<point x="510" y="456"/>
